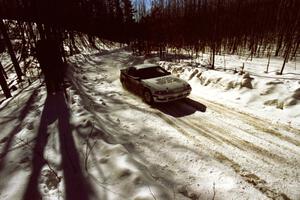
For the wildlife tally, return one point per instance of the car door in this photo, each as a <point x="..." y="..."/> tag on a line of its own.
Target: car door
<point x="135" y="83"/>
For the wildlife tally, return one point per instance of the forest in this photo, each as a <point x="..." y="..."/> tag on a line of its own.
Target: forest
<point x="260" y="28"/>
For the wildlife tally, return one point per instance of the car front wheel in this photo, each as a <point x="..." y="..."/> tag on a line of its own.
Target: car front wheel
<point x="148" y="97"/>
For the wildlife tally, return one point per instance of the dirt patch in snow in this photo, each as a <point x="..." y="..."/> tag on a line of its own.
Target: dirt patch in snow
<point x="252" y="179"/>
<point x="49" y="179"/>
<point x="296" y="94"/>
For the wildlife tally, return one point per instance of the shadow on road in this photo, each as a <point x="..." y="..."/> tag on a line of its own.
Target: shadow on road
<point x="181" y="108"/>
<point x="18" y="126"/>
<point x="55" y="109"/>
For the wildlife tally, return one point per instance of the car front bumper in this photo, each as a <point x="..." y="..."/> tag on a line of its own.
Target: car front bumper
<point x="171" y="97"/>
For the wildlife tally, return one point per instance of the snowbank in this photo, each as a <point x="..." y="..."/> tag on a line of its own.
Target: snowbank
<point x="248" y="89"/>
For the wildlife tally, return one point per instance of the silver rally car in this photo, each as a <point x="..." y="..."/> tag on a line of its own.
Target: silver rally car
<point x="154" y="83"/>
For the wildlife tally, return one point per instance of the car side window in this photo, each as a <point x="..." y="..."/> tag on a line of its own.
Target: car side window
<point x="160" y="70"/>
<point x="132" y="72"/>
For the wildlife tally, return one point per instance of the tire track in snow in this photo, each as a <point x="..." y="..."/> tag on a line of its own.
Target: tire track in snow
<point x="259" y="124"/>
<point x="211" y="131"/>
<point x="210" y="128"/>
<point x="225" y="136"/>
<point x="251" y="178"/>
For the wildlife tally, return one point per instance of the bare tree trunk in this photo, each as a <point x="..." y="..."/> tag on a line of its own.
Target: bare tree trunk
<point x="24" y="51"/>
<point x="286" y="57"/>
<point x="296" y="49"/>
<point x="279" y="44"/>
<point x="213" y="57"/>
<point x="11" y="51"/>
<point x="41" y="31"/>
<point x="269" y="58"/>
<point x="31" y="34"/>
<point x="3" y="83"/>
<point x="224" y="62"/>
<point x="3" y="71"/>
<point x="160" y="51"/>
<point x="283" y="65"/>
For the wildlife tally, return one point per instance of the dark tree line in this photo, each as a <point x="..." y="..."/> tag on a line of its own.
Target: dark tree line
<point x="222" y="26"/>
<point x="104" y="18"/>
<point x="248" y="27"/>
<point x="51" y="21"/>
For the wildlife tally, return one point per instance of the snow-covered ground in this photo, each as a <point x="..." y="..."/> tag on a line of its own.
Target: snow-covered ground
<point x="226" y="141"/>
<point x="251" y="89"/>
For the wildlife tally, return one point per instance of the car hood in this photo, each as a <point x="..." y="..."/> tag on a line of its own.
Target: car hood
<point x="168" y="83"/>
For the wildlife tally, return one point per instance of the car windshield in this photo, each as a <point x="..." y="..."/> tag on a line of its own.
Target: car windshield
<point x="152" y="72"/>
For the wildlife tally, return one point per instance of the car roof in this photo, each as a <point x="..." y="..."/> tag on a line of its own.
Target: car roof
<point x="146" y="65"/>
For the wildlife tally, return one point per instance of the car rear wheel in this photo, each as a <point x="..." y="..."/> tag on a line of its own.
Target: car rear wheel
<point x="148" y="97"/>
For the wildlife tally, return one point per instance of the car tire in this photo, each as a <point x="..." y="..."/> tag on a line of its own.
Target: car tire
<point x="147" y="96"/>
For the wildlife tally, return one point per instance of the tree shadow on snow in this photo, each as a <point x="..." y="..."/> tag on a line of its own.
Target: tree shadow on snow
<point x="181" y="108"/>
<point x="55" y="109"/>
<point x="18" y="127"/>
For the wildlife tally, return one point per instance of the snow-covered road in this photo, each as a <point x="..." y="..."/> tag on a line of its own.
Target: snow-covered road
<point x="197" y="147"/>
<point x="128" y="150"/>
